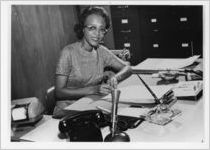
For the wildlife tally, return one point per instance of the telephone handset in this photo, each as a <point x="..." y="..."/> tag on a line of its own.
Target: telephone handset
<point x="83" y="126"/>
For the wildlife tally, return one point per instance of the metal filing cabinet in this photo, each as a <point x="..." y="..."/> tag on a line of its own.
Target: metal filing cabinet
<point x="158" y="31"/>
<point x="125" y="25"/>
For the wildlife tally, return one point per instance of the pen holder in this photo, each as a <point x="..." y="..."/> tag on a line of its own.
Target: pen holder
<point x="116" y="135"/>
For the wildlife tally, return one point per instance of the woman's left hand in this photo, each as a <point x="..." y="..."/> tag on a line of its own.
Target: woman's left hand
<point x="125" y="55"/>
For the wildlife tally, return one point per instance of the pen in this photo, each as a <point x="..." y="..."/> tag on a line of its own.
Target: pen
<point x="148" y="88"/>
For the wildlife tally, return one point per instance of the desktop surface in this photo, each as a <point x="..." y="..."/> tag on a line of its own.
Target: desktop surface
<point x="188" y="127"/>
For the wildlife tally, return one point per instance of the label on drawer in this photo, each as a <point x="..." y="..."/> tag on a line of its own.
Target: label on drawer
<point x="127" y="44"/>
<point x="153" y="20"/>
<point x="183" y="19"/>
<point x="155" y="45"/>
<point x="185" y="44"/>
<point x="124" y="21"/>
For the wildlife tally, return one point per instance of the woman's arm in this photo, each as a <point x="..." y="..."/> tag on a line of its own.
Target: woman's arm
<point x="124" y="73"/>
<point x="64" y="93"/>
<point x="123" y="70"/>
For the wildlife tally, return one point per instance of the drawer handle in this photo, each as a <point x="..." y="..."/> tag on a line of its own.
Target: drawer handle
<point x="125" y="31"/>
<point x="119" y="7"/>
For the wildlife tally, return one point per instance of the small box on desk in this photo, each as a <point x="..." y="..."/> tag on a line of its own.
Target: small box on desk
<point x="26" y="111"/>
<point x="189" y="90"/>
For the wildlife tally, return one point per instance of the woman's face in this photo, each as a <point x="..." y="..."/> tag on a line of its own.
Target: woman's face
<point x="94" y="30"/>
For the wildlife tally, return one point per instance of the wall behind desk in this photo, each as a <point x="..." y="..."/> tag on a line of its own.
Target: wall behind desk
<point x="39" y="33"/>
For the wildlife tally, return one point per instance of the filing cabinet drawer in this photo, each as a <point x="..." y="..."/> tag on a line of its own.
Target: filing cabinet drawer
<point x="125" y="23"/>
<point x="125" y="34"/>
<point x="187" y="17"/>
<point x="121" y="43"/>
<point x="151" y="24"/>
<point x="134" y="47"/>
<point x="166" y="48"/>
<point x="152" y="47"/>
<point x="122" y="10"/>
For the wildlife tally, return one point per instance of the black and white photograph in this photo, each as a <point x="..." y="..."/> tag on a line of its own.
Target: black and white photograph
<point x="145" y="84"/>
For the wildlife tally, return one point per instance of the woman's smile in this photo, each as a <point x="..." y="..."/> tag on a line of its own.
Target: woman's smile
<point x="94" y="30"/>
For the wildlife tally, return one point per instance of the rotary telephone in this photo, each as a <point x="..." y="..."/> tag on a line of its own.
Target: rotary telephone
<point x="83" y="126"/>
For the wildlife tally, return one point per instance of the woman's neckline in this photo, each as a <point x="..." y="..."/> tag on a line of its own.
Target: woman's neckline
<point x="82" y="43"/>
<point x="84" y="51"/>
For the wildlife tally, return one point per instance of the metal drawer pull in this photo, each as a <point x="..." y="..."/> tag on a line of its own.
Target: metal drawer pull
<point x="125" y="31"/>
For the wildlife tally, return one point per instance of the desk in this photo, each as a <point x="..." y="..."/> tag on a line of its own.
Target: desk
<point x="189" y="127"/>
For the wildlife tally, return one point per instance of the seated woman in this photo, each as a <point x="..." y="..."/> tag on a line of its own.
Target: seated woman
<point x="80" y="68"/>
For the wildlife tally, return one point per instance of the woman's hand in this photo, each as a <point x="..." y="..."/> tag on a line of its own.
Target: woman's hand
<point x="113" y="82"/>
<point x="125" y="55"/>
<point x="104" y="89"/>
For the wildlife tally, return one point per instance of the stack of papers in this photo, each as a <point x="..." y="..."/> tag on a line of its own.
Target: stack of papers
<point x="156" y="64"/>
<point x="190" y="90"/>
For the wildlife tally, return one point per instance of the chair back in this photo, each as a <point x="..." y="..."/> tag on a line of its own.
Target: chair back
<point x="50" y="100"/>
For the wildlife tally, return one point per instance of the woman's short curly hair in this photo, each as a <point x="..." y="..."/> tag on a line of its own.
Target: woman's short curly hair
<point x="78" y="28"/>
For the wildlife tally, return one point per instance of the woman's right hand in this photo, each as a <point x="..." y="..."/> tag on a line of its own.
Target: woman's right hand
<point x="103" y="89"/>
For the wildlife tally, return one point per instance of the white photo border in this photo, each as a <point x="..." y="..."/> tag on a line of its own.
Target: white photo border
<point x="6" y="80"/>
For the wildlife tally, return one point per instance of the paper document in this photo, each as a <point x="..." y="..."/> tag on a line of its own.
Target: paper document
<point x="91" y="103"/>
<point x="165" y="63"/>
<point x="139" y="94"/>
<point x="133" y="112"/>
<point x="188" y="88"/>
<point x="46" y="132"/>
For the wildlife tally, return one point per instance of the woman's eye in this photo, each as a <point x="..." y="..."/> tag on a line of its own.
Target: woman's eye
<point x="103" y="30"/>
<point x="92" y="28"/>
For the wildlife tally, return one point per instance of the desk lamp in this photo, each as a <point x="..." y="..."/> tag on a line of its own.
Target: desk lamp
<point x="115" y="135"/>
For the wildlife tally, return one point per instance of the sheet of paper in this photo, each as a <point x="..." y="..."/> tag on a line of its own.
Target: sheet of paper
<point x="165" y="64"/>
<point x="133" y="112"/>
<point x="43" y="133"/>
<point x="140" y="94"/>
<point x="92" y="103"/>
<point x="188" y="88"/>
